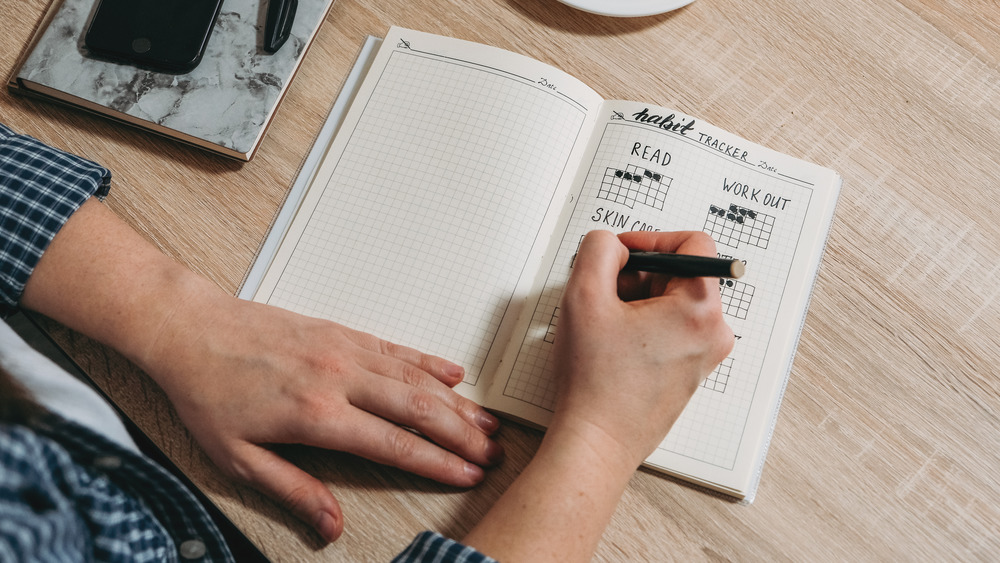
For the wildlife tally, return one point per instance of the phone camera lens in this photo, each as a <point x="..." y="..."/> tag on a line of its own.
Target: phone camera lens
<point x="141" y="44"/>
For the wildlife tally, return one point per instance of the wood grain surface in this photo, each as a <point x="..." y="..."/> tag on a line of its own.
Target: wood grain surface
<point x="887" y="446"/>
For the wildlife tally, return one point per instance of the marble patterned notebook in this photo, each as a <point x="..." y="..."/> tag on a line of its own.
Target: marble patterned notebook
<point x="224" y="105"/>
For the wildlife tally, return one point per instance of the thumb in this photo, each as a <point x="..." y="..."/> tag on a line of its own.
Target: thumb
<point x="598" y="262"/>
<point x="294" y="489"/>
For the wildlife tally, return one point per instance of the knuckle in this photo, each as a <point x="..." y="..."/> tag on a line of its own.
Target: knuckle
<point x="727" y="341"/>
<point x="454" y="468"/>
<point x="311" y="408"/>
<point x="238" y="468"/>
<point x="473" y="440"/>
<point x="427" y="364"/>
<point x="387" y="348"/>
<point x="708" y="327"/>
<point x="412" y="375"/>
<point x="704" y="320"/>
<point x="400" y="444"/>
<point x="583" y="292"/>
<point x="333" y="364"/>
<point x="307" y="408"/>
<point x="297" y="497"/>
<point x="466" y="409"/>
<point x="578" y="300"/>
<point x="703" y="238"/>
<point x="421" y="405"/>
<point x="719" y="344"/>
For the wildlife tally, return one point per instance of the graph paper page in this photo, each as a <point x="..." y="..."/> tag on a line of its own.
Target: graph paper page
<point x="650" y="168"/>
<point x="436" y="199"/>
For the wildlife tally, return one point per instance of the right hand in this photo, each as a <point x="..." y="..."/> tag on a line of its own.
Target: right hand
<point x="630" y="350"/>
<point x="633" y="347"/>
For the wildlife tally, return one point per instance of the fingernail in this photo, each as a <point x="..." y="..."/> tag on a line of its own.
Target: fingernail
<point x="494" y="452"/>
<point x="454" y="371"/>
<point x="474" y="472"/>
<point x="326" y="526"/>
<point x="487" y="421"/>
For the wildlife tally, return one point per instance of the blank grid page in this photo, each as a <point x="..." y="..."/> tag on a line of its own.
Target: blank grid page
<point x="423" y="228"/>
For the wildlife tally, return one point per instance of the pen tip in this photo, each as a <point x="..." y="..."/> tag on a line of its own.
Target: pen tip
<point x="737" y="269"/>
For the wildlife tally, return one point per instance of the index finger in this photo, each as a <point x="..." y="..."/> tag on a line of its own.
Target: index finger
<point x="695" y="243"/>
<point x="681" y="242"/>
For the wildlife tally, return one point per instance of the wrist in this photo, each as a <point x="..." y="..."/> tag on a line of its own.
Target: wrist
<point x="588" y="443"/>
<point x="180" y="310"/>
<point x="560" y="504"/>
<point x="100" y="278"/>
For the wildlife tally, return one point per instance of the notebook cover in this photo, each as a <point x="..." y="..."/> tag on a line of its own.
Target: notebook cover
<point x="225" y="104"/>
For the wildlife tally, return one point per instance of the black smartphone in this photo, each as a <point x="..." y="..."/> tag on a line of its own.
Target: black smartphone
<point x="161" y="35"/>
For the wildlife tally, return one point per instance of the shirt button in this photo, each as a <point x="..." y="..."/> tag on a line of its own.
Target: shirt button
<point x="108" y="462"/>
<point x="192" y="549"/>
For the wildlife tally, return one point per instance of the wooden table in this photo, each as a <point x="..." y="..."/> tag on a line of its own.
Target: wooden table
<point x="888" y="442"/>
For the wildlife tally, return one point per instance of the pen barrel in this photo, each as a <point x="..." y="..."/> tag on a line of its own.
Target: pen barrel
<point x="683" y="265"/>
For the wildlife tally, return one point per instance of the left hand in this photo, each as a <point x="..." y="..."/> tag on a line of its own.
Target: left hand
<point x="243" y="376"/>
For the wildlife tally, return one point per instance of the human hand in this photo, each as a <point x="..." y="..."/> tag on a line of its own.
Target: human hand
<point x="243" y="376"/>
<point x="630" y="350"/>
<point x="633" y="346"/>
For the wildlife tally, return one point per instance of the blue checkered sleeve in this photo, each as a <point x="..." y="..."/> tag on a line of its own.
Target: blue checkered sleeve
<point x="432" y="547"/>
<point x="40" y="187"/>
<point x="70" y="494"/>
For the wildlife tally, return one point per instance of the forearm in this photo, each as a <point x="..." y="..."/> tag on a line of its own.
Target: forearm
<point x="559" y="506"/>
<point x="101" y="278"/>
<point x="305" y="380"/>
<point x="626" y="369"/>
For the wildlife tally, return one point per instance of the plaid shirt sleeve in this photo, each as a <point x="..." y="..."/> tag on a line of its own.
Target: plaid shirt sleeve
<point x="40" y="187"/>
<point x="433" y="547"/>
<point x="69" y="494"/>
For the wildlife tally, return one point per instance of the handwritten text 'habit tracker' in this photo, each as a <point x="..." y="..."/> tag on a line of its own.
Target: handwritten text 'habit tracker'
<point x="682" y="126"/>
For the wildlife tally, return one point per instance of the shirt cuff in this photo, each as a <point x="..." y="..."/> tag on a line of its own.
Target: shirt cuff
<point x="40" y="188"/>
<point x="431" y="546"/>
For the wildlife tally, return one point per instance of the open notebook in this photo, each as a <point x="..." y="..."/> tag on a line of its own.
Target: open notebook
<point x="445" y="213"/>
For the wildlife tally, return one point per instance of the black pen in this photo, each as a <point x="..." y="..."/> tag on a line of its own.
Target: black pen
<point x="278" y="26"/>
<point x="684" y="265"/>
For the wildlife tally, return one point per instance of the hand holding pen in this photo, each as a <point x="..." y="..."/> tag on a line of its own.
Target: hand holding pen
<point x="684" y="265"/>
